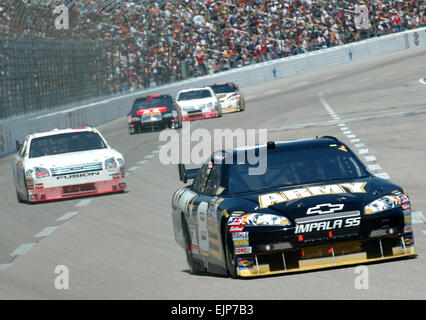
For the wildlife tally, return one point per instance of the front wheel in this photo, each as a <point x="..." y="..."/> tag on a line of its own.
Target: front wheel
<point x="231" y="261"/>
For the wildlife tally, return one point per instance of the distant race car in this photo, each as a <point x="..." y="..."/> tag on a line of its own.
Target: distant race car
<point x="66" y="163"/>
<point x="154" y="112"/>
<point x="230" y="97"/>
<point x="316" y="206"/>
<point x="198" y="103"/>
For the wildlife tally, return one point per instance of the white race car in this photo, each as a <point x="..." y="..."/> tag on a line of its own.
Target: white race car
<point x="66" y="163"/>
<point x="230" y="97"/>
<point x="198" y="103"/>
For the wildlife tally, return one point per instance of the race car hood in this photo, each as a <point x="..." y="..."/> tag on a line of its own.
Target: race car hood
<point x="195" y="102"/>
<point x="72" y="158"/>
<point x="225" y="96"/>
<point x="337" y="196"/>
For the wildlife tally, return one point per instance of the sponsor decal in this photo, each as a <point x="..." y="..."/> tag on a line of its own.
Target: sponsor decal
<point x="194" y="249"/>
<point x="403" y="198"/>
<point x="409" y="241"/>
<point x="233" y="229"/>
<point x="243" y="250"/>
<point x="150" y="111"/>
<point x="240" y="236"/>
<point x="328" y="225"/>
<point x="325" y="208"/>
<point x="406" y="206"/>
<point x="78" y="175"/>
<point x="240" y="243"/>
<point x="270" y="199"/>
<point x="245" y="263"/>
<point x="235" y="221"/>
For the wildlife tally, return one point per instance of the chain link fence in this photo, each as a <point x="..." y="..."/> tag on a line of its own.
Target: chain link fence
<point x="42" y="74"/>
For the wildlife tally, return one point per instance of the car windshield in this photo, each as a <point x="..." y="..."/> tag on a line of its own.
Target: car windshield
<point x="297" y="167"/>
<point x="194" y="94"/>
<point x="152" y="102"/>
<point x="64" y="143"/>
<point x="224" y="88"/>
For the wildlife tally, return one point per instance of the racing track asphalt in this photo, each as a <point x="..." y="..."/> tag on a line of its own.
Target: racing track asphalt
<point x="121" y="246"/>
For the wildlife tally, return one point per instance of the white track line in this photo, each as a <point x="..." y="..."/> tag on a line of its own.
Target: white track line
<point x="300" y="84"/>
<point x="4" y="266"/>
<point x="370" y="158"/>
<point x="83" y="203"/>
<point x="45" y="232"/>
<point x="267" y="93"/>
<point x="23" y="249"/>
<point x="67" y="216"/>
<point x="353" y="138"/>
<point x="417" y="217"/>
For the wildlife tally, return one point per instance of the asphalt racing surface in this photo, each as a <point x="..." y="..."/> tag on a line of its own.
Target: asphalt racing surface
<point x="121" y="246"/>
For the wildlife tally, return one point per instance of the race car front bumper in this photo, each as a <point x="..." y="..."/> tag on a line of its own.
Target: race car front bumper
<point x="232" y="106"/>
<point x="78" y="190"/>
<point x="166" y="121"/>
<point x="325" y="256"/>
<point x="199" y="116"/>
<point x="267" y="251"/>
<point x="94" y="183"/>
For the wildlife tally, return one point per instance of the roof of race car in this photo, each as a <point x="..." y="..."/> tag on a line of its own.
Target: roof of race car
<point x="283" y="145"/>
<point x="194" y="89"/>
<point x="60" y="131"/>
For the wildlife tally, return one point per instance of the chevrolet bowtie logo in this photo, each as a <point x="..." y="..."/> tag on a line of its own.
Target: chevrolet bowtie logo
<point x="325" y="208"/>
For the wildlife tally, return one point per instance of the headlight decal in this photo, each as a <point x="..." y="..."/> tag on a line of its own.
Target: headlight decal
<point x="259" y="219"/>
<point x="110" y="164"/>
<point x="386" y="203"/>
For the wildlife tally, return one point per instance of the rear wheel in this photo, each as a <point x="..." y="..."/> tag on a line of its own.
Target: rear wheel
<point x="194" y="265"/>
<point x="231" y="261"/>
<point x="18" y="195"/>
<point x="242" y="106"/>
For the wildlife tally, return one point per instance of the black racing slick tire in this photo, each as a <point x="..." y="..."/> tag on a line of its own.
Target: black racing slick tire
<point x="20" y="199"/>
<point x="231" y="261"/>
<point x="195" y="266"/>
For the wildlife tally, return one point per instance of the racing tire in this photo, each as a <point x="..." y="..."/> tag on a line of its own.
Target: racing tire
<point x="242" y="107"/>
<point x="231" y="261"/>
<point x="20" y="199"/>
<point x="18" y="196"/>
<point x="195" y="267"/>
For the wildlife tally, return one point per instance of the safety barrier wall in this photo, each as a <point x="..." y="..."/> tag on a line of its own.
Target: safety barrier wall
<point x="112" y="108"/>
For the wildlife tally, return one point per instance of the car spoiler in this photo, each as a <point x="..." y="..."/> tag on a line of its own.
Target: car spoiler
<point x="187" y="174"/>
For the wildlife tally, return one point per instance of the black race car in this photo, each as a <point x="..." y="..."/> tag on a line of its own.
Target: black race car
<point x="315" y="206"/>
<point x="154" y="112"/>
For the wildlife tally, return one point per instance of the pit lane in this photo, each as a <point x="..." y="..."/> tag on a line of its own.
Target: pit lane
<point x="122" y="247"/>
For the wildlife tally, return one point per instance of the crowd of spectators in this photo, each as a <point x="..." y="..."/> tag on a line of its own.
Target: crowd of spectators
<point x="161" y="41"/>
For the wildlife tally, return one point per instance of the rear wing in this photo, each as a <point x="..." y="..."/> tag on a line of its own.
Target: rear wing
<point x="187" y="174"/>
